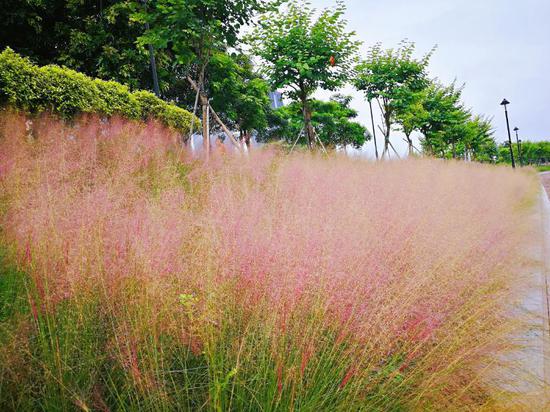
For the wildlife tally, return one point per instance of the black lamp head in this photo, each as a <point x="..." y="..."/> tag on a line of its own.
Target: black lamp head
<point x="504" y="102"/>
<point x="515" y="129"/>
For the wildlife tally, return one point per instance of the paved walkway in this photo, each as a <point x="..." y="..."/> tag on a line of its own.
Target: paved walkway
<point x="545" y="180"/>
<point x="542" y="307"/>
<point x="545" y="212"/>
<point x="524" y="374"/>
<point x="545" y="217"/>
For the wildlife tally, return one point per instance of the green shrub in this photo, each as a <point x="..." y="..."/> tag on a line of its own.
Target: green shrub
<point x="20" y="81"/>
<point x="68" y="93"/>
<point x="116" y="98"/>
<point x="151" y="105"/>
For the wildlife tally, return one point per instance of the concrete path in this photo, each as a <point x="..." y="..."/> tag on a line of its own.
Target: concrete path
<point x="541" y="299"/>
<point x="545" y="180"/>
<point x="534" y="357"/>
<point x="523" y="374"/>
<point x="545" y="274"/>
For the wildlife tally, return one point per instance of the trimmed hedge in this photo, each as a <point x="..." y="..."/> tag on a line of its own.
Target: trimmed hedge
<point x="68" y="93"/>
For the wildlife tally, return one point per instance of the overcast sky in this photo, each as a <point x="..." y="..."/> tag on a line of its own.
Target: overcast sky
<point x="499" y="48"/>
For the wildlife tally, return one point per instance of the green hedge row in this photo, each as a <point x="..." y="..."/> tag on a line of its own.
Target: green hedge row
<point x="68" y="93"/>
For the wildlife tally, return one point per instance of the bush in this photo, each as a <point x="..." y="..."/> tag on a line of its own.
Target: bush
<point x="20" y="82"/>
<point x="118" y="99"/>
<point x="68" y="93"/>
<point x="150" y="105"/>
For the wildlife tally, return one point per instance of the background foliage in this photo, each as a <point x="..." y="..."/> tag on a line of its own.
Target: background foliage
<point x="302" y="52"/>
<point x="334" y="122"/>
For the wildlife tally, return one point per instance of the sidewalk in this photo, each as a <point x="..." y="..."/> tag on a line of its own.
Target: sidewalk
<point x="545" y="180"/>
<point x="522" y="375"/>
<point x="545" y="275"/>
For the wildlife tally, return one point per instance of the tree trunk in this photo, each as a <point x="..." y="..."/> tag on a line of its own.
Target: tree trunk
<point x="216" y="117"/>
<point x="387" y="135"/>
<point x="205" y="125"/>
<point x="308" y="128"/>
<point x="410" y="143"/>
<point x="246" y="138"/>
<point x="373" y="130"/>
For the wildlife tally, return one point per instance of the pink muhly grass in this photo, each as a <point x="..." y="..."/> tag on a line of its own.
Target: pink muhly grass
<point x="316" y="261"/>
<point x="347" y="377"/>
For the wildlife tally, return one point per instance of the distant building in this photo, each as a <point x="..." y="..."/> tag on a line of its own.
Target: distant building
<point x="276" y="99"/>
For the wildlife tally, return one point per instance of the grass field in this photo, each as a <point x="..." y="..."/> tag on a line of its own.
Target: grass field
<point x="135" y="277"/>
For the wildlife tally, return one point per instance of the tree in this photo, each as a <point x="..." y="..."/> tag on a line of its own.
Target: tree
<point x="410" y="116"/>
<point x="456" y="132"/>
<point x="301" y="54"/>
<point x="239" y="93"/>
<point x="443" y="111"/>
<point x="450" y="130"/>
<point x="393" y="78"/>
<point x="333" y="120"/>
<point x="97" y="38"/>
<point x="194" y="30"/>
<point x="479" y="143"/>
<point x="532" y="153"/>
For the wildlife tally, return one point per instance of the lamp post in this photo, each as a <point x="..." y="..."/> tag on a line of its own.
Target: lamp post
<point x="505" y="103"/>
<point x="518" y="140"/>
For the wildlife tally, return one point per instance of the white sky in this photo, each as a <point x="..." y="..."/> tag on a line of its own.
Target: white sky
<point x="499" y="48"/>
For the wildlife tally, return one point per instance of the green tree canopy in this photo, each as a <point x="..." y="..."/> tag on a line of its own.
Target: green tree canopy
<point x="532" y="153"/>
<point x="444" y="117"/>
<point x="450" y="130"/>
<point x="239" y="93"/>
<point x="194" y="31"/>
<point x="97" y="38"/>
<point x="301" y="53"/>
<point x="394" y="78"/>
<point x="410" y="116"/>
<point x="334" y="121"/>
<point x="478" y="142"/>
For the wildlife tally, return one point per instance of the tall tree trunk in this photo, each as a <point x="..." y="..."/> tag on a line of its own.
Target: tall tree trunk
<point x="387" y="129"/>
<point x="373" y="130"/>
<point x="216" y="117"/>
<point x="205" y="125"/>
<point x="247" y="137"/>
<point x="410" y="143"/>
<point x="308" y="128"/>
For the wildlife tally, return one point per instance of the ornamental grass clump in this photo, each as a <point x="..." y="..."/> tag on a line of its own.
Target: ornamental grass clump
<point x="138" y="277"/>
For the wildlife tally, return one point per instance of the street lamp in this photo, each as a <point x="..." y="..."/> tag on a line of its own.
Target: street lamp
<point x="518" y="140"/>
<point x="506" y="103"/>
